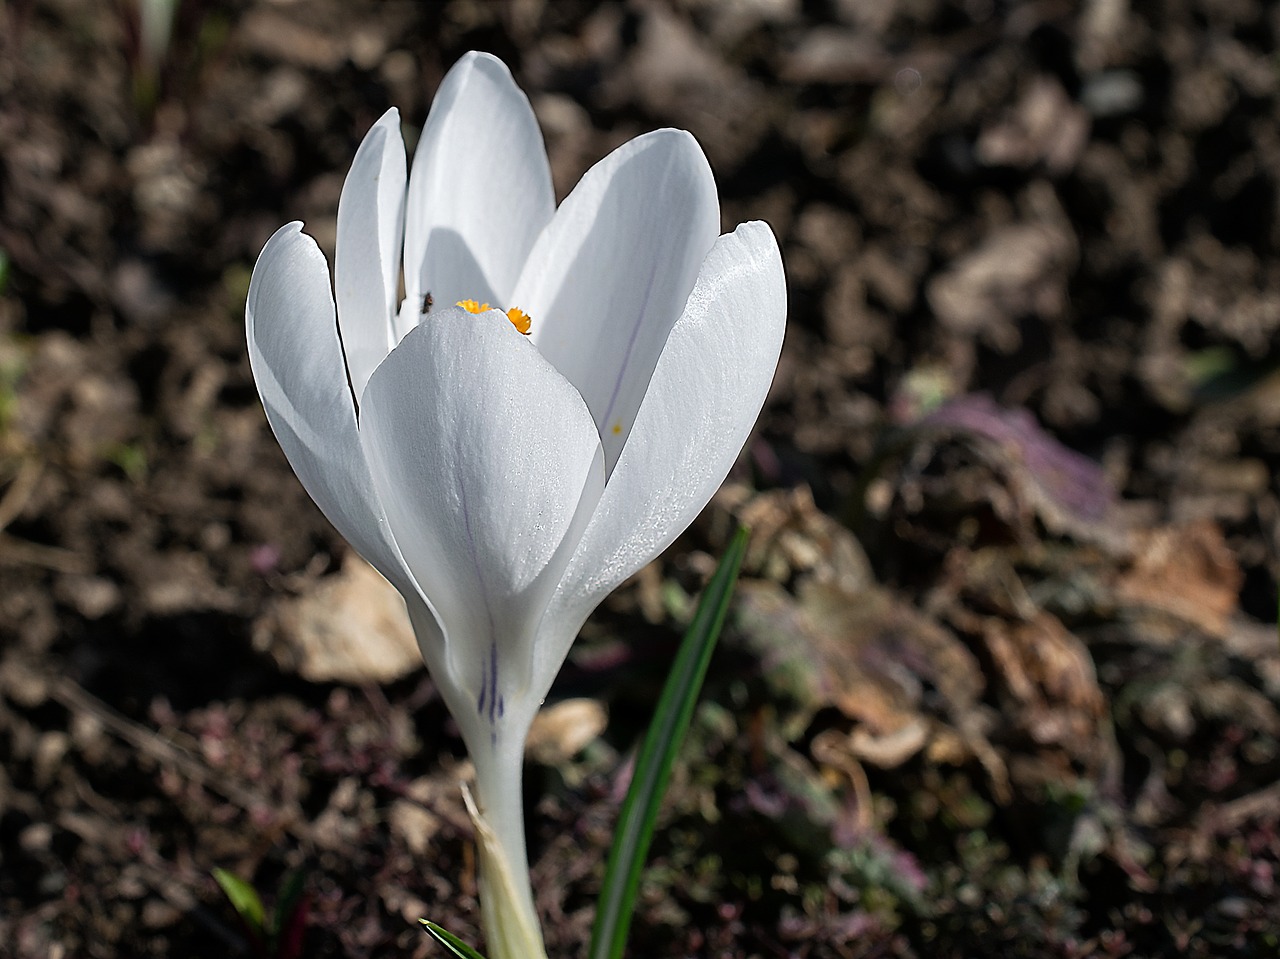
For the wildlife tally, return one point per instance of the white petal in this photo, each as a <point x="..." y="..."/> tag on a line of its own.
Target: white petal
<point x="480" y="191"/>
<point x="370" y="234"/>
<point x="297" y="364"/>
<point x="610" y="275"/>
<point x="481" y="453"/>
<point x="703" y="400"/>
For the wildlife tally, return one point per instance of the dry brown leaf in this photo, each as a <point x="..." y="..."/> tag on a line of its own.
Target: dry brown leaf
<point x="563" y="730"/>
<point x="1187" y="572"/>
<point x="837" y="639"/>
<point x="1049" y="675"/>
<point x="1019" y="270"/>
<point x="350" y="628"/>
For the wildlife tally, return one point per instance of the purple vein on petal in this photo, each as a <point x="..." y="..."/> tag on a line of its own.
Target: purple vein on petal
<point x="493" y="681"/>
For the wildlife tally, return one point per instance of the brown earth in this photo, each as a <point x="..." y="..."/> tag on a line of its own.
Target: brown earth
<point x="1002" y="677"/>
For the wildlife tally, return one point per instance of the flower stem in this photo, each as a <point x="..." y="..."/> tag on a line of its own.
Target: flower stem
<point x="506" y="896"/>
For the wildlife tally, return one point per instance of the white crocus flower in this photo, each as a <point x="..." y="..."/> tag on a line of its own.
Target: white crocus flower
<point x="505" y="483"/>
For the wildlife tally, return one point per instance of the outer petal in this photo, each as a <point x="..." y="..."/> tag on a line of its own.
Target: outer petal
<point x="481" y="453"/>
<point x="480" y="191"/>
<point x="609" y="277"/>
<point x="703" y="400"/>
<point x="297" y="364"/>
<point x="370" y="234"/>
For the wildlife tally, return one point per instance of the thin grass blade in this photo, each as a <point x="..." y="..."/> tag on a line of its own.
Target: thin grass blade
<point x="243" y="898"/>
<point x="452" y="944"/>
<point x="657" y="757"/>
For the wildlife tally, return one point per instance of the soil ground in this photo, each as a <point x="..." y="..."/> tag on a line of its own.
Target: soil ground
<point x="1002" y="676"/>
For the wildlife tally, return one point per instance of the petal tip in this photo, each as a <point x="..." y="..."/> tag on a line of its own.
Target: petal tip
<point x="277" y="240"/>
<point x="483" y="59"/>
<point x="674" y="135"/>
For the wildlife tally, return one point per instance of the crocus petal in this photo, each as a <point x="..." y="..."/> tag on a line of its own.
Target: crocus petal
<point x="481" y="453"/>
<point x="480" y="191"/>
<point x="370" y="234"/>
<point x="297" y="364"/>
<point x="703" y="399"/>
<point x="611" y="273"/>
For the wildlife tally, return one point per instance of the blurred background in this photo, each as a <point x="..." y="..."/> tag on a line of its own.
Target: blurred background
<point x="1002" y="673"/>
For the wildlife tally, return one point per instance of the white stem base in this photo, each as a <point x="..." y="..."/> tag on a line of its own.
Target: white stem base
<point x="506" y="904"/>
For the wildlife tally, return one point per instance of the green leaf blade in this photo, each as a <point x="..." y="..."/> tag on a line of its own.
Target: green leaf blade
<point x="289" y="919"/>
<point x="657" y="757"/>
<point x="452" y="944"/>
<point x="244" y="899"/>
